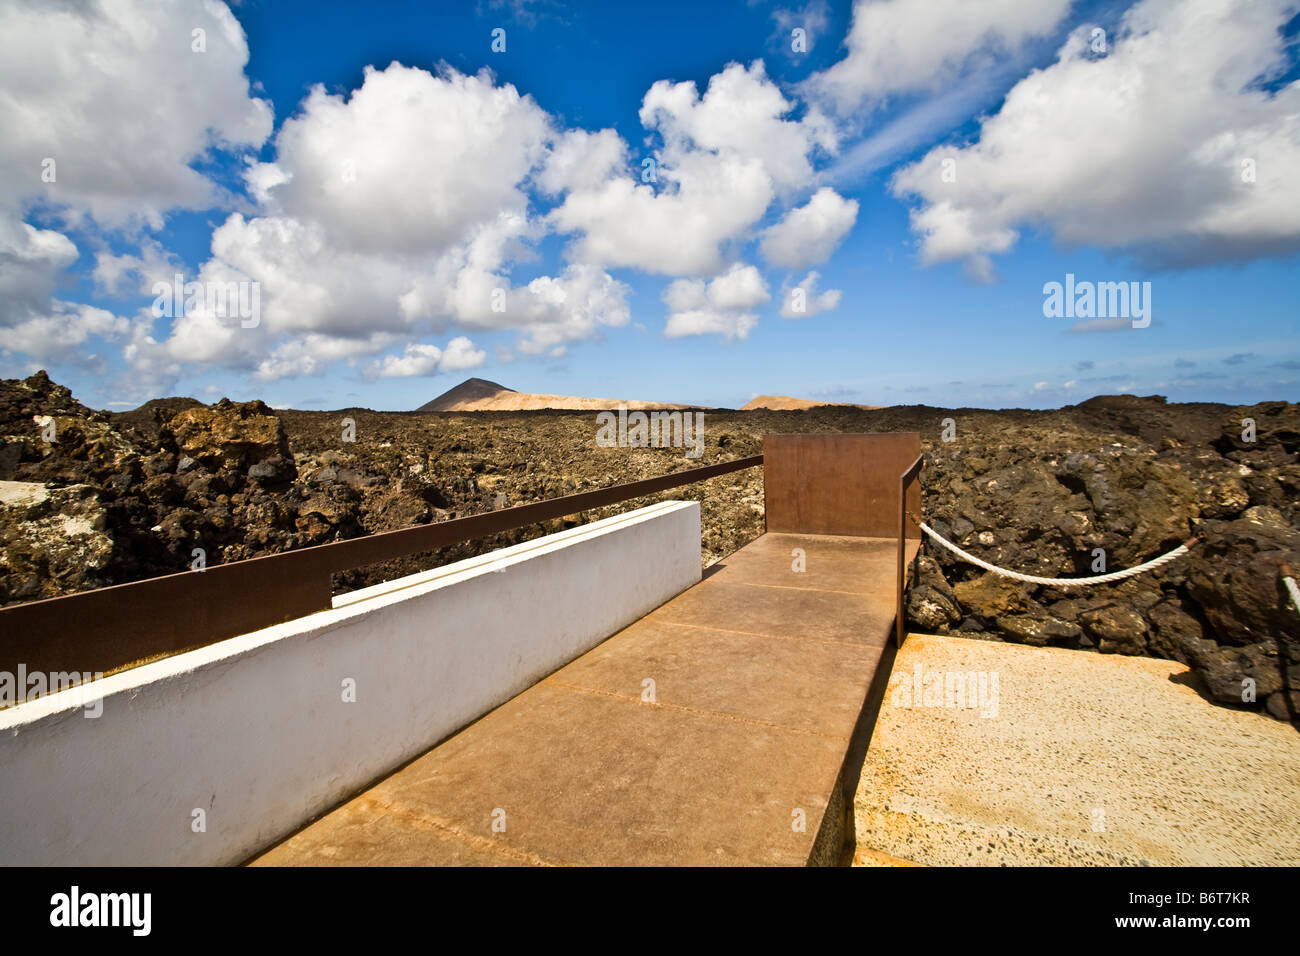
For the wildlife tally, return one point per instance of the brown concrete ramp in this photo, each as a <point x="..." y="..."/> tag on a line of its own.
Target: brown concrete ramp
<point x="711" y="731"/>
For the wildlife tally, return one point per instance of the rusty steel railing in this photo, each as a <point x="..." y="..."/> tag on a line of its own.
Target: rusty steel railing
<point x="904" y="482"/>
<point x="113" y="627"/>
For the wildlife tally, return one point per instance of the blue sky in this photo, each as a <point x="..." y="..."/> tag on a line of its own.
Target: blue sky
<point x="377" y="175"/>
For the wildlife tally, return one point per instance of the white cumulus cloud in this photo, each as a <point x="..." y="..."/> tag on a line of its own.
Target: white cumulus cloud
<point x="722" y="306"/>
<point x="804" y="301"/>
<point x="113" y="93"/>
<point x="809" y="234"/>
<point x="1166" y="146"/>
<point x="424" y="359"/>
<point x="900" y="46"/>
<point x="727" y="154"/>
<point x="401" y="210"/>
<point x="106" y="110"/>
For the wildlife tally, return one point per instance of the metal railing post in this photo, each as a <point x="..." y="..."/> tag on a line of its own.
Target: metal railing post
<point x="904" y="482"/>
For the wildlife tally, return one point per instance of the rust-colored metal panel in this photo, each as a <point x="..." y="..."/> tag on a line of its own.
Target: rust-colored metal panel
<point x="110" y="628"/>
<point x="838" y="483"/>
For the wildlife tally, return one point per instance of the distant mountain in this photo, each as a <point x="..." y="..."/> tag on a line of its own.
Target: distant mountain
<point x="784" y="403"/>
<point x="480" y="395"/>
<point x="470" y="391"/>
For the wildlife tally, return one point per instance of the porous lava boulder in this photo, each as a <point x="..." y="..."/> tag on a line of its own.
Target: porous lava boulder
<point x="52" y="540"/>
<point x="1244" y="674"/>
<point x="60" y="465"/>
<point x="1236" y="577"/>
<point x="236" y="435"/>
<point x="21" y="400"/>
<point x="47" y="436"/>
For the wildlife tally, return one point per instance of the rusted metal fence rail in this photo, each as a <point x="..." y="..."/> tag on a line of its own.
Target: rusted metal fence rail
<point x="109" y="628"/>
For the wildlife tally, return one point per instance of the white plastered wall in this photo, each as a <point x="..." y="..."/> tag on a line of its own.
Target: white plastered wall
<point x="255" y="731"/>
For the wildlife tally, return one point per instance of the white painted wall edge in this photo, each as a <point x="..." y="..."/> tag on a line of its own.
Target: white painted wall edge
<point x="254" y="736"/>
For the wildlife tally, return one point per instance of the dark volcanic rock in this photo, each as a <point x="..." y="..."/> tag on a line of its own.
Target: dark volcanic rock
<point x="1039" y="630"/>
<point x="148" y="420"/>
<point x="1235" y="577"/>
<point x="1172" y="624"/>
<point x="1133" y="478"/>
<point x="1236" y="675"/>
<point x="1116" y="629"/>
<point x="273" y="471"/>
<point x="929" y="609"/>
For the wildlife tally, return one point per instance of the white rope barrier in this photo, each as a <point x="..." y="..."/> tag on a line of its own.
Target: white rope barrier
<point x="1151" y="565"/>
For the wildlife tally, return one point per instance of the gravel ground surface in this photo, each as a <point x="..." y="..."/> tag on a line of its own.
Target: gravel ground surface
<point x="1069" y="759"/>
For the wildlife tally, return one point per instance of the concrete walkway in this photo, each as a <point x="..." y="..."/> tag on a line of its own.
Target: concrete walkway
<point x="712" y="731"/>
<point x="1077" y="759"/>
